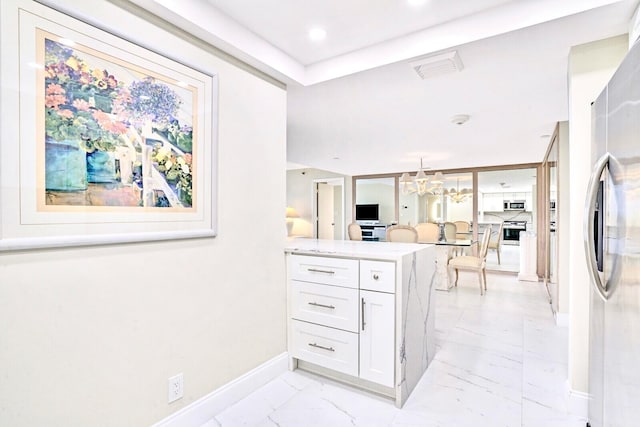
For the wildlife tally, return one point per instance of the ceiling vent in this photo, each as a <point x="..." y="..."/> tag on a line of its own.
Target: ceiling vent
<point x="431" y="66"/>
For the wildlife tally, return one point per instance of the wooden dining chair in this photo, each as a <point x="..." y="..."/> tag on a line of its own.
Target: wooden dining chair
<point x="450" y="231"/>
<point x="355" y="231"/>
<point x="462" y="229"/>
<point x="474" y="263"/>
<point x="495" y="244"/>
<point x="427" y="232"/>
<point x="402" y="233"/>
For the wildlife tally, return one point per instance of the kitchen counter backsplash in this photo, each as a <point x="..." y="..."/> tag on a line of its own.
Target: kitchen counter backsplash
<point x="506" y="216"/>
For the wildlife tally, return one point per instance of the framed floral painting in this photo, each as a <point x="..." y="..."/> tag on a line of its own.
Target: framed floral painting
<point x="116" y="142"/>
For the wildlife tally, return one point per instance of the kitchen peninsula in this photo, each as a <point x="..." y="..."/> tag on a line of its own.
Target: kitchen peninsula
<point x="362" y="312"/>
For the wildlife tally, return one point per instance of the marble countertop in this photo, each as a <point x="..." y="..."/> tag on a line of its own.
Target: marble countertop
<point x="355" y="249"/>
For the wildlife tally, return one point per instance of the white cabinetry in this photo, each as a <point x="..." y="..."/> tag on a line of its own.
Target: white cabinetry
<point x="492" y="202"/>
<point x="377" y="321"/>
<point x="325" y="305"/>
<point x="362" y="313"/>
<point x="337" y="324"/>
<point x="330" y="271"/>
<point x="376" y="233"/>
<point x="528" y="198"/>
<point x="513" y="196"/>
<point x="332" y="348"/>
<point x="376" y="337"/>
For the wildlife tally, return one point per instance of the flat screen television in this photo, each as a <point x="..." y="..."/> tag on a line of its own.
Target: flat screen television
<point x="367" y="212"/>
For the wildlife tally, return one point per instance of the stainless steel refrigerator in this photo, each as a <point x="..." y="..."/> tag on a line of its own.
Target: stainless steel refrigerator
<point x="612" y="242"/>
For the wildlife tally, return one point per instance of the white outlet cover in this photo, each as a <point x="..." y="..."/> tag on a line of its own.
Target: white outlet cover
<point x="176" y="387"/>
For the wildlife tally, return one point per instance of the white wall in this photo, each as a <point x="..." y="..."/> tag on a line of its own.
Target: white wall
<point x="90" y="336"/>
<point x="563" y="222"/>
<point x="590" y="68"/>
<point x="409" y="209"/>
<point x="300" y="197"/>
<point x="462" y="211"/>
<point x="381" y="193"/>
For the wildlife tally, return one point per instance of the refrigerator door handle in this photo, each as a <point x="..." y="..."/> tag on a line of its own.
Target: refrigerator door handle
<point x="589" y="236"/>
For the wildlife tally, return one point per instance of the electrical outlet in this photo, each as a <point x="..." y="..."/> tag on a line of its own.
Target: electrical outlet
<point x="176" y="387"/>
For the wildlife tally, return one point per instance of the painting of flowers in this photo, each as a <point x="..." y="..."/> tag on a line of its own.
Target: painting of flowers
<point x="115" y="134"/>
<point x="106" y="139"/>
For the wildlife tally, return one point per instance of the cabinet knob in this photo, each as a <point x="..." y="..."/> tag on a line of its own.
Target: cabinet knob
<point x="375" y="276"/>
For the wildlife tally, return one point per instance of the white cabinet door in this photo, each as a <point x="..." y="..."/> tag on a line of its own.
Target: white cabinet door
<point x="493" y="202"/>
<point x="377" y="337"/>
<point x="528" y="202"/>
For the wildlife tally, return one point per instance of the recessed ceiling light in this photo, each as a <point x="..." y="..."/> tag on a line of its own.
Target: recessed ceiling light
<point x="416" y="3"/>
<point x="317" y="34"/>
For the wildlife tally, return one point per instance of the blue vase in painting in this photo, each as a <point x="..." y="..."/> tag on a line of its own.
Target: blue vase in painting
<point x="65" y="166"/>
<point x="101" y="167"/>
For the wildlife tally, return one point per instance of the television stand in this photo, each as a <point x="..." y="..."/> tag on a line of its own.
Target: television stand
<point x="374" y="232"/>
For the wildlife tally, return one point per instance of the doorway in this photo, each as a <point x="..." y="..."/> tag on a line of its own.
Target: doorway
<point x="507" y="202"/>
<point x="328" y="208"/>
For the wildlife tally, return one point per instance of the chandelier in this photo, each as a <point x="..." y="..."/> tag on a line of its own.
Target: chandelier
<point x="458" y="196"/>
<point x="421" y="183"/>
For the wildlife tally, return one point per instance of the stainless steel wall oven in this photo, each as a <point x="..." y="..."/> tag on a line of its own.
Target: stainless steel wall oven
<point x="511" y="232"/>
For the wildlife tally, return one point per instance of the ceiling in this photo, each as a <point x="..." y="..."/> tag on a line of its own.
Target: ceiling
<point x="356" y="106"/>
<point x="351" y="25"/>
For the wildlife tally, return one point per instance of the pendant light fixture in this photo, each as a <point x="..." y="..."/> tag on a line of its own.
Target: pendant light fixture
<point x="458" y="196"/>
<point x="418" y="184"/>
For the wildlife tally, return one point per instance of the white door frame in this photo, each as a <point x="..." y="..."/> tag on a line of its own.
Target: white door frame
<point x="314" y="203"/>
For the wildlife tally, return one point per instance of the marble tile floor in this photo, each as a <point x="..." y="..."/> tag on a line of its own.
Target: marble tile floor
<point x="509" y="259"/>
<point x="501" y="361"/>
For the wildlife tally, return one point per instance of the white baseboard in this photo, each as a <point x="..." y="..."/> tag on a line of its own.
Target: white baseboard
<point x="562" y="319"/>
<point x="577" y="402"/>
<point x="205" y="408"/>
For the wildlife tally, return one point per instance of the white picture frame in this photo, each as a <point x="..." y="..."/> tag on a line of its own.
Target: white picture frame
<point x="40" y="71"/>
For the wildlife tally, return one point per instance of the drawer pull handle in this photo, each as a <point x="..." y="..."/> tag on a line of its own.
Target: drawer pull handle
<point x="375" y="276"/>
<point x="317" y="270"/>
<point x="363" y="322"/>
<point x="312" y="344"/>
<point x="322" y="305"/>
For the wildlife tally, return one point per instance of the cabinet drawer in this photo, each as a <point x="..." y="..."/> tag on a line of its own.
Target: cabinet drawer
<point x="331" y="271"/>
<point x="328" y="347"/>
<point x="378" y="276"/>
<point x="326" y="305"/>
